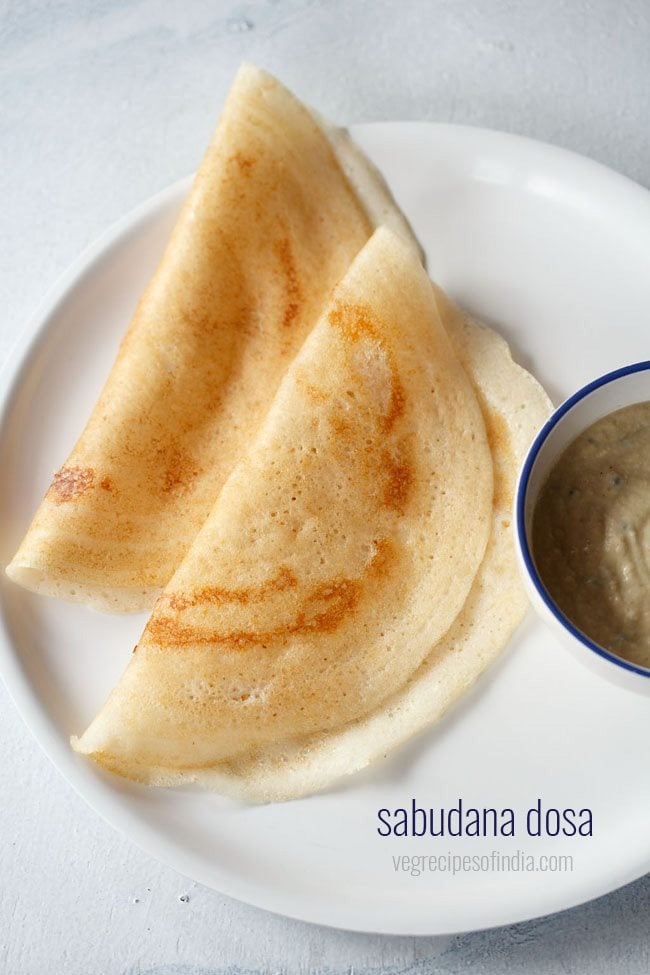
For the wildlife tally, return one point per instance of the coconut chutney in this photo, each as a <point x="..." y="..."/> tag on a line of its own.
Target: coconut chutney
<point x="591" y="533"/>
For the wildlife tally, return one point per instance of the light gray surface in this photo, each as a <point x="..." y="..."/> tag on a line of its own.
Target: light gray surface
<point x="102" y="105"/>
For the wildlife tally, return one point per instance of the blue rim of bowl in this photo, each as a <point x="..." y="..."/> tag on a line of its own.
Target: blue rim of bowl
<point x="522" y="491"/>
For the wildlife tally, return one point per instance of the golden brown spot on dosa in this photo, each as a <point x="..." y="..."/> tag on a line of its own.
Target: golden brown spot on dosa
<point x="106" y="484"/>
<point x="355" y="322"/>
<point x="70" y="482"/>
<point x="282" y="249"/>
<point x="399" y="479"/>
<point x="499" y="442"/>
<point x="397" y="401"/>
<point x="323" y="610"/>
<point x="179" y="473"/>
<point x="341" y="426"/>
<point x="245" y="163"/>
<point x="315" y="394"/>
<point x="285" y="579"/>
<point x="393" y="464"/>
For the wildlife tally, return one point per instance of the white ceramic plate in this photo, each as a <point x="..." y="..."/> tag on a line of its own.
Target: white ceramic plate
<point x="554" y="250"/>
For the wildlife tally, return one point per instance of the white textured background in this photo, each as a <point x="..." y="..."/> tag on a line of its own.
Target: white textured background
<point x="101" y="105"/>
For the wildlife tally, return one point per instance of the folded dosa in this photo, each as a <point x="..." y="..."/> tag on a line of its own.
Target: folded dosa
<point x="271" y="224"/>
<point x="339" y="552"/>
<point x="514" y="407"/>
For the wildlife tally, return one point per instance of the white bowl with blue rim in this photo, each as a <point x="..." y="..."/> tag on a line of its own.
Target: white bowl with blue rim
<point x="604" y="395"/>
